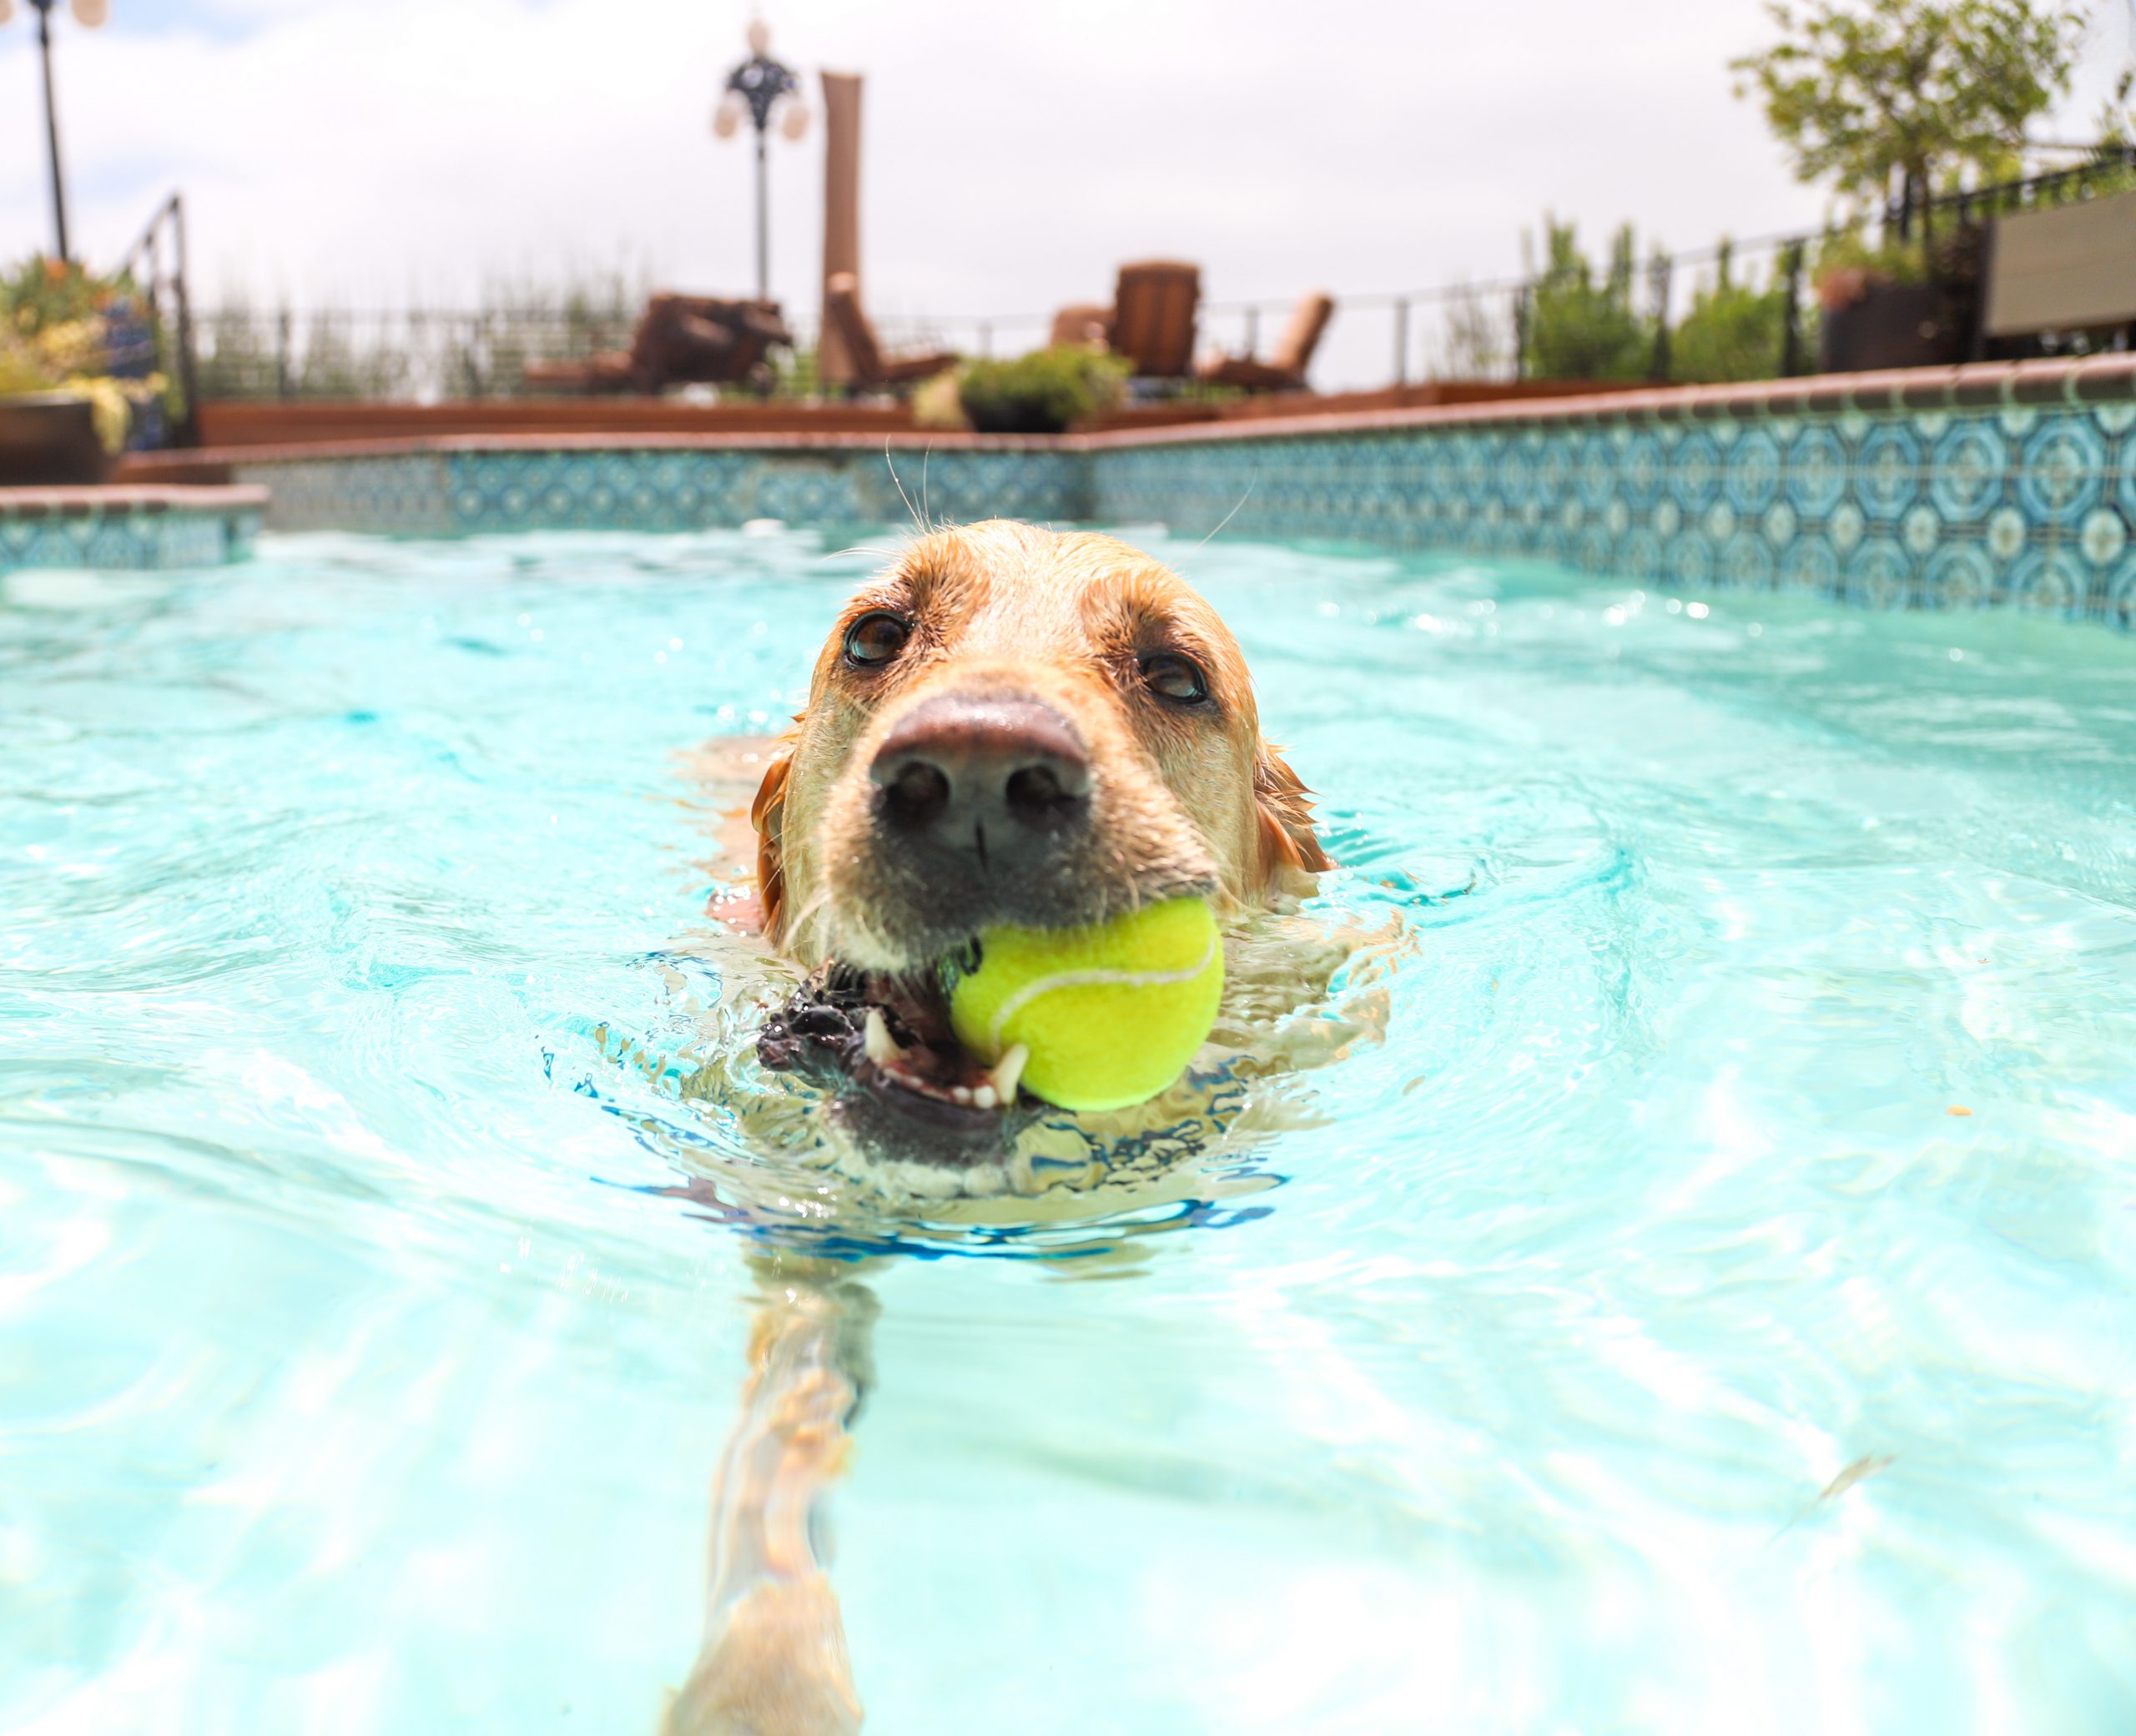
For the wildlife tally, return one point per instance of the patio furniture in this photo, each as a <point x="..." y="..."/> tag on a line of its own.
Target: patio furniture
<point x="681" y="340"/>
<point x="2071" y="268"/>
<point x="1285" y="370"/>
<point x="1154" y="304"/>
<point x="872" y="370"/>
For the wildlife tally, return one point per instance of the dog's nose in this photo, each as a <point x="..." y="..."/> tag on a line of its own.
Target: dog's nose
<point x="1000" y="777"/>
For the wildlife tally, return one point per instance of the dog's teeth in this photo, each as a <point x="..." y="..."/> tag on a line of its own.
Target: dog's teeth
<point x="1009" y="1071"/>
<point x="961" y="1092"/>
<point x="982" y="1098"/>
<point x="882" y="1048"/>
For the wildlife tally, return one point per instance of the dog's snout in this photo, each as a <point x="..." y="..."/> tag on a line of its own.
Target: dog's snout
<point x="1004" y="778"/>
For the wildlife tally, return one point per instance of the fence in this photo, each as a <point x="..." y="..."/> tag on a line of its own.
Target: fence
<point x="1485" y="331"/>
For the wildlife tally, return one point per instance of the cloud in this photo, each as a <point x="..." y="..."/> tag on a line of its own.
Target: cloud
<point x="366" y="152"/>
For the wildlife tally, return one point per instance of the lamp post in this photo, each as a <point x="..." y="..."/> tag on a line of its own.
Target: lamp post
<point x="90" y="13"/>
<point x="757" y="88"/>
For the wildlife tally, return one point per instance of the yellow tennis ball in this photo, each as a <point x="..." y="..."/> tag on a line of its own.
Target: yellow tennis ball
<point x="1110" y="1013"/>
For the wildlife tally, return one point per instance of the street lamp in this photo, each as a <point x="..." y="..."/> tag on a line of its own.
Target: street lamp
<point x="756" y="88"/>
<point x="90" y="13"/>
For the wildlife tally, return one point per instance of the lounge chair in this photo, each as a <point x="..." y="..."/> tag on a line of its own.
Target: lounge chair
<point x="1153" y="308"/>
<point x="872" y="370"/>
<point x="681" y="340"/>
<point x="2070" y="268"/>
<point x="1285" y="370"/>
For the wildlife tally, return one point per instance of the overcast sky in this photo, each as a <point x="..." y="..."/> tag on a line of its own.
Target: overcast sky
<point x="362" y="152"/>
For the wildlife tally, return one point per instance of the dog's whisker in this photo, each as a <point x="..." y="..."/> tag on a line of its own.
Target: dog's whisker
<point x="919" y="522"/>
<point x="1251" y="484"/>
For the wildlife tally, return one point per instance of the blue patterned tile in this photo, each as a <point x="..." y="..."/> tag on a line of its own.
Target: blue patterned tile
<point x="1959" y="575"/>
<point x="1886" y="467"/>
<point x="1754" y="469"/>
<point x="1877" y="575"/>
<point x="2052" y="580"/>
<point x="2064" y="471"/>
<point x="1694" y="473"/>
<point x="1816" y="471"/>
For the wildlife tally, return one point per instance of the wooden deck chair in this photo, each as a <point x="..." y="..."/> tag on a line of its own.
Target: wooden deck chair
<point x="1285" y="370"/>
<point x="872" y="370"/>
<point x="1154" y="305"/>
<point x="680" y="340"/>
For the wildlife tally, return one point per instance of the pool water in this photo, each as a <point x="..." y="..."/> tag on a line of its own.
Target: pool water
<point x="1702" y="1297"/>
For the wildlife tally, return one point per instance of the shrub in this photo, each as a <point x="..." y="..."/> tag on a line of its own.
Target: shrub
<point x="1581" y="327"/>
<point x="1732" y="331"/>
<point x="1041" y="393"/>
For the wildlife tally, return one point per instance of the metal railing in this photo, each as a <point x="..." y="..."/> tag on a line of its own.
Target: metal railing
<point x="157" y="265"/>
<point x="1481" y="330"/>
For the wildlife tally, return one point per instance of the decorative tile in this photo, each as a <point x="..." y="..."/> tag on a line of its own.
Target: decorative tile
<point x="1882" y="507"/>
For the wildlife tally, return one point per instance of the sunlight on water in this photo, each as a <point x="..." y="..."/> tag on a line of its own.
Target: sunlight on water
<point x="1708" y="1308"/>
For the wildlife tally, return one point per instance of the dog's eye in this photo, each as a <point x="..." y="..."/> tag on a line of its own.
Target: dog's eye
<point x="875" y="638"/>
<point x="1174" y="679"/>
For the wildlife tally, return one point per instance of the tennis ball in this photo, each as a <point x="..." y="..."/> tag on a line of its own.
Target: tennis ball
<point x="1110" y="1013"/>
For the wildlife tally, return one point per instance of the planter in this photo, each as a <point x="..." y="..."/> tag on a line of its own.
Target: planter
<point x="50" y="438"/>
<point x="1892" y="325"/>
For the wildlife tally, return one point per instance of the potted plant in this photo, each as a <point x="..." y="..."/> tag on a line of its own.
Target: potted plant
<point x="1044" y="392"/>
<point x="76" y="374"/>
<point x="1883" y="307"/>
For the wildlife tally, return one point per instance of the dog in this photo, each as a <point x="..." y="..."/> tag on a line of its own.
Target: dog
<point x="1016" y="725"/>
<point x="1008" y="725"/>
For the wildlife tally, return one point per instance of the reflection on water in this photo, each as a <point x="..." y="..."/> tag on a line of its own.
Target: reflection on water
<point x="1688" y="1288"/>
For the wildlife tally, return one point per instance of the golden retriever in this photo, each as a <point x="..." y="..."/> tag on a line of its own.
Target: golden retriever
<point x="1009" y="725"/>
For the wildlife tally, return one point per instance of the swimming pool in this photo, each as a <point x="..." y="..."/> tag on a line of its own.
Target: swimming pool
<point x="1707" y="1305"/>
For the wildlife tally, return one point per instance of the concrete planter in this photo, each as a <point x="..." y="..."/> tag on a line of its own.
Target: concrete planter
<point x="50" y="438"/>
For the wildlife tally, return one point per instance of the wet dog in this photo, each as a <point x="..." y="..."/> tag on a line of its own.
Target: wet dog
<point x="1008" y="725"/>
<point x="1011" y="725"/>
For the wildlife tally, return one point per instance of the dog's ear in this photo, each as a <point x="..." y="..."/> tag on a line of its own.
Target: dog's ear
<point x="768" y="814"/>
<point x="1289" y="845"/>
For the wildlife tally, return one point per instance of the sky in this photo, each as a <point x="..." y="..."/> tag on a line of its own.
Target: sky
<point x="380" y="152"/>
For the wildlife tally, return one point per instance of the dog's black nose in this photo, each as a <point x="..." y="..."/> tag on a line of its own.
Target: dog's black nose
<point x="1000" y="779"/>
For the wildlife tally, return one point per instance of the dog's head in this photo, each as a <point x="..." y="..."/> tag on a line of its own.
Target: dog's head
<point x="1015" y="726"/>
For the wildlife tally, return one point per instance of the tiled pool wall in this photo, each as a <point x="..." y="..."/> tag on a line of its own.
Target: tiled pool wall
<point x="2004" y="484"/>
<point x="680" y="485"/>
<point x="1944" y="506"/>
<point x="126" y="528"/>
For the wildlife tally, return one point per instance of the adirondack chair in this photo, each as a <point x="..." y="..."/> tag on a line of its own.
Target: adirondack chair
<point x="1154" y="305"/>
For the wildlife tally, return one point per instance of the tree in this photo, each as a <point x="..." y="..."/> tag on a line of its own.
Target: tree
<point x="1867" y="91"/>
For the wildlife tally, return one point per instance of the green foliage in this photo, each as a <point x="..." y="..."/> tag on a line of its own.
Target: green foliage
<point x="21" y="371"/>
<point x="1863" y="92"/>
<point x="1582" y="326"/>
<point x="1848" y="257"/>
<point x="1732" y="331"/>
<point x="40" y="293"/>
<point x="1041" y="393"/>
<point x="64" y="329"/>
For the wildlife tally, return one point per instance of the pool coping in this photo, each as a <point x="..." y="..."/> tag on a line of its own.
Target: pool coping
<point x="1971" y="385"/>
<point x="107" y="499"/>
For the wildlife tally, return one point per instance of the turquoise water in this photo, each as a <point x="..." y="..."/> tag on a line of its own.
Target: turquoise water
<point x="1635" y="1337"/>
